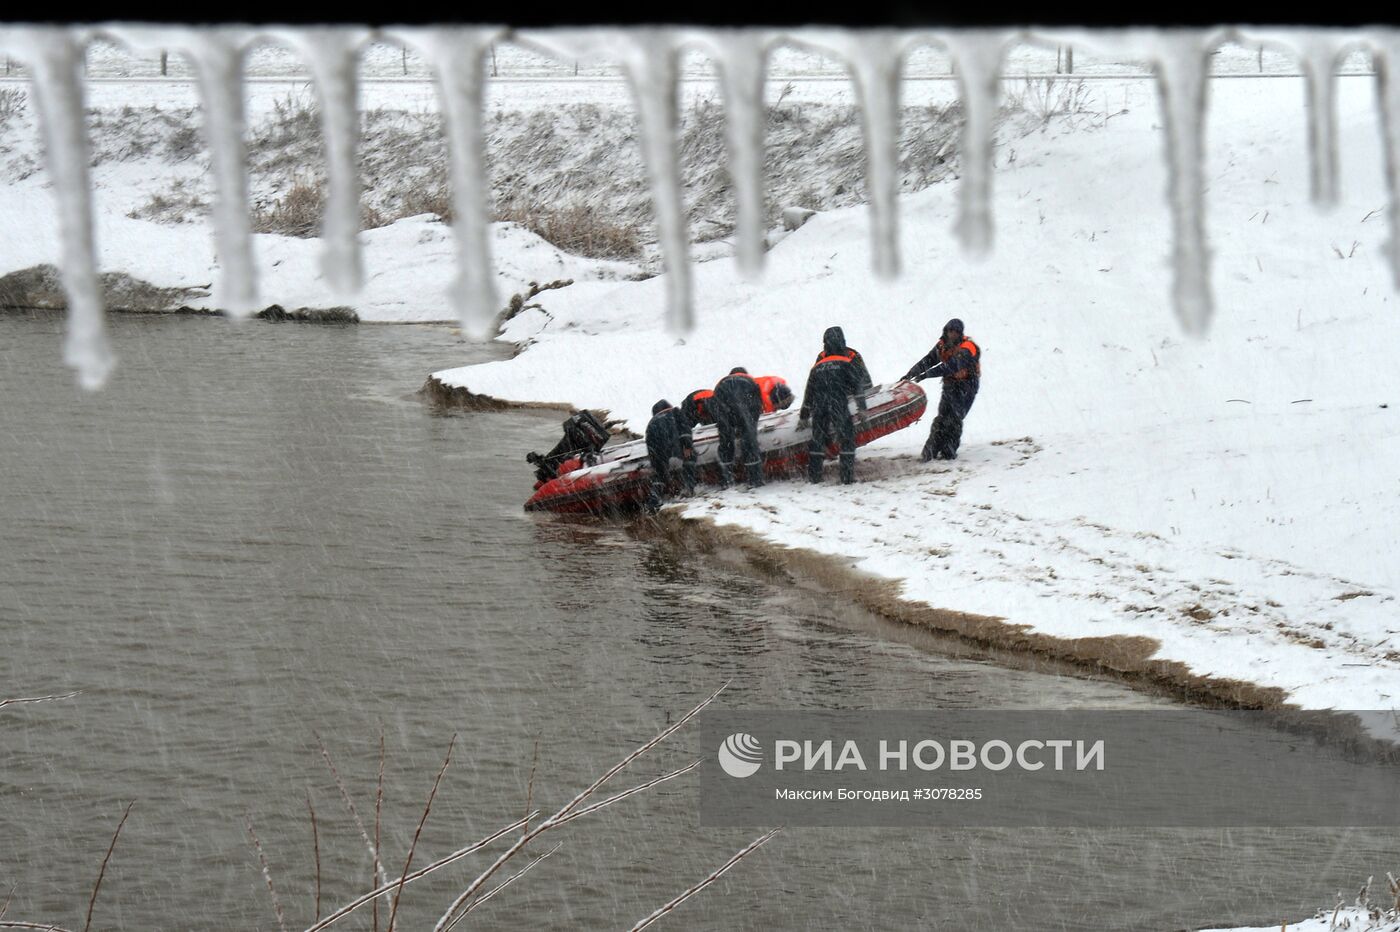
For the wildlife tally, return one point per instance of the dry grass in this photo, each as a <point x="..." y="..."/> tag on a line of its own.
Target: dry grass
<point x="578" y="229"/>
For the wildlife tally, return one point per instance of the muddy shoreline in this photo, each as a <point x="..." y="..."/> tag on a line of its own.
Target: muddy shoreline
<point x="1129" y="660"/>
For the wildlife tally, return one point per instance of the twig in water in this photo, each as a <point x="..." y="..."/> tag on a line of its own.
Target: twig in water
<point x="266" y="872"/>
<point x="5" y="702"/>
<point x="8" y="897"/>
<point x="315" y="849"/>
<point x="663" y="910"/>
<point x="502" y="885"/>
<point x="350" y="804"/>
<point x="92" y="900"/>
<point x="377" y="892"/>
<point x="570" y="806"/>
<point x="37" y="926"/>
<point x="530" y="785"/>
<point x="378" y="803"/>
<point x="408" y="862"/>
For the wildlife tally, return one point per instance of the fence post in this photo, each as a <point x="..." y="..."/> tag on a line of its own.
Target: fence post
<point x="1261" y="59"/>
<point x="1069" y="59"/>
<point x="405" y="59"/>
<point x="1059" y="53"/>
<point x="494" y="72"/>
<point x="164" y="56"/>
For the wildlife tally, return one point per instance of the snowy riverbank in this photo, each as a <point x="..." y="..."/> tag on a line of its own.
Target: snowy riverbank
<point x="1232" y="500"/>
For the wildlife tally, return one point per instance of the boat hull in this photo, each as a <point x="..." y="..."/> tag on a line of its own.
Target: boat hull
<point x="620" y="479"/>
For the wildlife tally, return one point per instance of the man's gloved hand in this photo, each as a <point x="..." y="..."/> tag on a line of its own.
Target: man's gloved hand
<point x="909" y="377"/>
<point x="804" y="422"/>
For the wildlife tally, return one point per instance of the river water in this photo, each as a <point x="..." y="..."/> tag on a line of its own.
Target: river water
<point x="259" y="533"/>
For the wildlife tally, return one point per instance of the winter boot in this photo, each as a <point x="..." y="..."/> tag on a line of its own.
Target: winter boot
<point x="848" y="468"/>
<point x="688" y="477"/>
<point x="755" y="474"/>
<point x="653" y="501"/>
<point x="726" y="474"/>
<point x="814" y="467"/>
<point x="930" y="451"/>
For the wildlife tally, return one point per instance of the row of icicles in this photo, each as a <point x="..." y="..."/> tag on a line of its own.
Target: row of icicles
<point x="649" y="57"/>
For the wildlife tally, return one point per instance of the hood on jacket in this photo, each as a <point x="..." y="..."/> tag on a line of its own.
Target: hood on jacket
<point x="834" y="340"/>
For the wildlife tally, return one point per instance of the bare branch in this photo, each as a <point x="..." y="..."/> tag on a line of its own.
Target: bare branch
<point x="502" y="885"/>
<point x="5" y="702"/>
<point x="530" y="786"/>
<point x="428" y="807"/>
<point x="350" y="804"/>
<point x="8" y="898"/>
<point x="38" y="926"/>
<point x="266" y="872"/>
<point x="378" y="804"/>
<point x="662" y="911"/>
<point x="92" y="900"/>
<point x="315" y="849"/>
<point x="452" y="858"/>
<point x="588" y="810"/>
<point x="447" y="918"/>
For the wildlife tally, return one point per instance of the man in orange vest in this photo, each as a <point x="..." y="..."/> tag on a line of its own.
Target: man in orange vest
<point x="736" y="406"/>
<point x="776" y="394"/>
<point x="959" y="361"/>
<point x="836" y="377"/>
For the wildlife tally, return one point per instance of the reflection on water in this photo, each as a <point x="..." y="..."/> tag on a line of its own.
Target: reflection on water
<point x="257" y="533"/>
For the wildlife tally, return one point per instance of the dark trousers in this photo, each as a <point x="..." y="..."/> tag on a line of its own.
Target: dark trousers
<point x="663" y="476"/>
<point x="744" y="430"/>
<point x="946" y="433"/>
<point x="832" y="425"/>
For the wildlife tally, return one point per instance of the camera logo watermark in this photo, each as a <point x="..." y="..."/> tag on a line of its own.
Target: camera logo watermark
<point x="741" y="755"/>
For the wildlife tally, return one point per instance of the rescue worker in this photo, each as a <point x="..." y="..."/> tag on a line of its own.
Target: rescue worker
<point x="695" y="410"/>
<point x="736" y="405"/>
<point x="958" y="361"/>
<point x="836" y="377"/>
<point x="775" y="392"/>
<point x="838" y="336"/>
<point x="668" y="438"/>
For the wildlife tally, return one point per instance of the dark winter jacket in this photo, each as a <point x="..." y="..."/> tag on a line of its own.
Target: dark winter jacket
<point x="833" y="380"/>
<point x="737" y="398"/>
<point x="668" y="435"/>
<point x="695" y="409"/>
<point x="834" y="341"/>
<point x="954" y="362"/>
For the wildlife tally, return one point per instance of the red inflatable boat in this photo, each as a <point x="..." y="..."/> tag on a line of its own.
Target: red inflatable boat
<point x="618" y="478"/>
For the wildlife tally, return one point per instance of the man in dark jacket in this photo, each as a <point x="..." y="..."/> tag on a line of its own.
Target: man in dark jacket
<point x="836" y="376"/>
<point x="668" y="438"/>
<point x="958" y="361"/>
<point x="835" y="336"/>
<point x="737" y="403"/>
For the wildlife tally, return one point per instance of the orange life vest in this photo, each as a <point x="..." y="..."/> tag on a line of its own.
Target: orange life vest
<point x="768" y="385"/>
<point x="946" y="353"/>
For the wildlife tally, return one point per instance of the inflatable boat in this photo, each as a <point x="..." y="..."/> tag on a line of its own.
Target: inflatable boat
<point x="613" y="479"/>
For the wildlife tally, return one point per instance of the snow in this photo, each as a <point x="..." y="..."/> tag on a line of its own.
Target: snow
<point x="1342" y="919"/>
<point x="1231" y="497"/>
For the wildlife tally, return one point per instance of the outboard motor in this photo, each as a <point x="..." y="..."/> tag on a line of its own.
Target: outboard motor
<point x="584" y="436"/>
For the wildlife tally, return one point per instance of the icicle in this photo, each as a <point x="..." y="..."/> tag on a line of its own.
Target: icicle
<point x="1386" y="51"/>
<point x="1320" y="64"/>
<point x="743" y="57"/>
<point x="456" y="55"/>
<point x="977" y="55"/>
<point x="1181" y="82"/>
<point x="651" y="69"/>
<point x="58" y="94"/>
<point x="874" y="59"/>
<point x="217" y="57"/>
<point x="333" y="54"/>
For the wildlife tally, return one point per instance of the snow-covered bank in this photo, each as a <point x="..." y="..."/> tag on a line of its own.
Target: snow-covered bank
<point x="1232" y="499"/>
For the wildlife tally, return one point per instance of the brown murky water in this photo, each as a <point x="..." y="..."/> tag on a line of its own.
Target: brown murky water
<point x="257" y="533"/>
